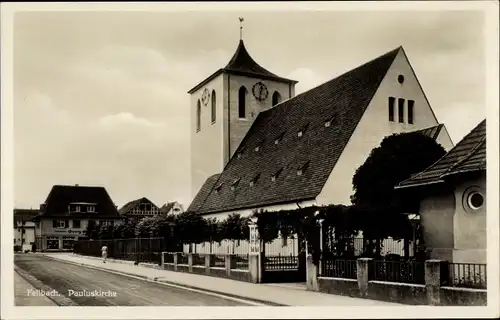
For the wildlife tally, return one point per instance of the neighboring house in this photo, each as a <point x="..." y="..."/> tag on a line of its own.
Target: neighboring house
<point x="453" y="209"/>
<point x="305" y="150"/>
<point x="65" y="215"/>
<point x="138" y="209"/>
<point x="172" y="208"/>
<point x="24" y="228"/>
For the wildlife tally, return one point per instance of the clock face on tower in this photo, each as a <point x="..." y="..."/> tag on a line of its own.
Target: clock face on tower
<point x="205" y="96"/>
<point x="259" y="91"/>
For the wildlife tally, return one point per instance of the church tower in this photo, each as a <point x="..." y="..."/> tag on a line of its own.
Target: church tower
<point x="224" y="106"/>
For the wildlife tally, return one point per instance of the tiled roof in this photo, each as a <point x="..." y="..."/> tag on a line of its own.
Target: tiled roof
<point x="342" y="101"/>
<point x="133" y="204"/>
<point x="60" y="197"/>
<point x="242" y="64"/>
<point x="468" y="155"/>
<point x="24" y="214"/>
<point x="432" y="132"/>
<point x="200" y="197"/>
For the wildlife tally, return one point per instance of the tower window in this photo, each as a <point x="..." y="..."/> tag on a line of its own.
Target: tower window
<point x="198" y="116"/>
<point x="242" y="95"/>
<point x="411" y="105"/>
<point x="401" y="110"/>
<point x="214" y="109"/>
<point x="276" y="98"/>
<point x="391" y="108"/>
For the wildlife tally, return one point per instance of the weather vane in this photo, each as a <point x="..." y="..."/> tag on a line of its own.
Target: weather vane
<point x="241" y="27"/>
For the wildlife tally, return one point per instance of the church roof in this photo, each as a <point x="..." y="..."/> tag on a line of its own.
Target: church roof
<point x="244" y="65"/>
<point x="272" y="153"/>
<point x="468" y="155"/>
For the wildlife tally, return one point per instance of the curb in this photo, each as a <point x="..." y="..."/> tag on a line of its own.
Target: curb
<point x="167" y="282"/>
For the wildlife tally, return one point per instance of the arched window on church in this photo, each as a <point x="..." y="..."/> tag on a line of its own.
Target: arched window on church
<point x="242" y="97"/>
<point x="276" y="98"/>
<point x="198" y="116"/>
<point x="214" y="109"/>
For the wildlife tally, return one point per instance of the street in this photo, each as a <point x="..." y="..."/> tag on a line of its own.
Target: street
<point x="90" y="287"/>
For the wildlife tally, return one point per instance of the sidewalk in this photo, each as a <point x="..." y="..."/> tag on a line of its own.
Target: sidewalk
<point x="278" y="295"/>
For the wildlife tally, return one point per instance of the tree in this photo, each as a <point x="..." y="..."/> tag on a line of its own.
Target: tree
<point x="92" y="231"/>
<point x="378" y="205"/>
<point x="396" y="159"/>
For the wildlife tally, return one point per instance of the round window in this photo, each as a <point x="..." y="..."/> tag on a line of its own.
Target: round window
<point x="475" y="200"/>
<point x="401" y="78"/>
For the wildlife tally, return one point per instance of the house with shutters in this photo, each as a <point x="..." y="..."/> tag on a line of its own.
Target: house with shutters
<point x="139" y="209"/>
<point x="453" y="205"/>
<point x="260" y="146"/>
<point x="65" y="214"/>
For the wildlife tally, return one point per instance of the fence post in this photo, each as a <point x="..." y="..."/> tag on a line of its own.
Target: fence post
<point x="208" y="263"/>
<point x="312" y="274"/>
<point x="363" y="272"/>
<point x="190" y="262"/>
<point x="175" y="255"/>
<point x="163" y="260"/>
<point x="433" y="281"/>
<point x="228" y="259"/>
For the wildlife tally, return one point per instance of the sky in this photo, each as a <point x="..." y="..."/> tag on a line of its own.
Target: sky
<point x="100" y="98"/>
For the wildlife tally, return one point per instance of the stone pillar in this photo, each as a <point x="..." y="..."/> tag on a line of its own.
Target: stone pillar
<point x="312" y="274"/>
<point x="208" y="262"/>
<point x="228" y="263"/>
<point x="254" y="268"/>
<point x="190" y="262"/>
<point x="363" y="266"/>
<point x="176" y="259"/>
<point x="433" y="281"/>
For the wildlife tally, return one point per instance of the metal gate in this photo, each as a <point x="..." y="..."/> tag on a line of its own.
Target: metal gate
<point x="280" y="269"/>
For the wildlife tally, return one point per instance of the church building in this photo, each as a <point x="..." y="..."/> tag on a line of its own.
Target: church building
<point x="257" y="145"/>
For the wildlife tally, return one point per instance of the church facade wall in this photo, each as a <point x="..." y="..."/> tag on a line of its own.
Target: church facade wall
<point x="375" y="125"/>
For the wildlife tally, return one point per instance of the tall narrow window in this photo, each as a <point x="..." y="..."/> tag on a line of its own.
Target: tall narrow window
<point x="198" y="116"/>
<point x="276" y="98"/>
<point x="242" y="97"/>
<point x="401" y="110"/>
<point x="214" y="109"/>
<point x="411" y="105"/>
<point x="391" y="108"/>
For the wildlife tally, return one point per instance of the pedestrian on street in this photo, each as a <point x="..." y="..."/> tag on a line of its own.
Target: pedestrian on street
<point x="104" y="251"/>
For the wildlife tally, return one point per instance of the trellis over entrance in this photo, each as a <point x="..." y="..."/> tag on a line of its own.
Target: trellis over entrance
<point x="278" y="268"/>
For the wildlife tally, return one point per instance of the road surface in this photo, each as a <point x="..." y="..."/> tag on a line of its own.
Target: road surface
<point x="75" y="285"/>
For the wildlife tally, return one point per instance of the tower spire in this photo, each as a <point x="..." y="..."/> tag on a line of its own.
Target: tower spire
<point x="241" y="27"/>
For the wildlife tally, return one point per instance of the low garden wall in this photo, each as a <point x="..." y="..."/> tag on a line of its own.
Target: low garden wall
<point x="432" y="290"/>
<point x="230" y="266"/>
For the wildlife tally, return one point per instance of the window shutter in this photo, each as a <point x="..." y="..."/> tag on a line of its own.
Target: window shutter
<point x="54" y="223"/>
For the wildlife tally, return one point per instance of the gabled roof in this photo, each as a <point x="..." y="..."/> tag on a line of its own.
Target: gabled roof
<point x="243" y="64"/>
<point x="24" y="214"/>
<point x="133" y="204"/>
<point x="342" y="101"/>
<point x="468" y="155"/>
<point x="61" y="196"/>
